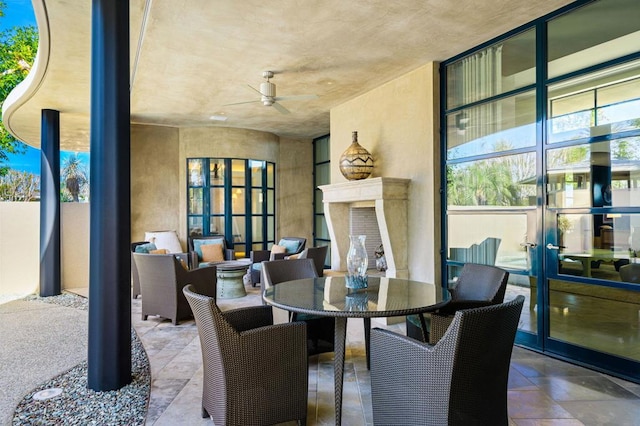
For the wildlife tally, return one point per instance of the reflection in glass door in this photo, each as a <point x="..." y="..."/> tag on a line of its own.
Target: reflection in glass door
<point x="492" y="214"/>
<point x="593" y="215"/>
<point x="541" y="131"/>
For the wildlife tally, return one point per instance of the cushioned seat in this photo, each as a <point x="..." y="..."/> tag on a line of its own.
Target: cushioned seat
<point x="209" y="249"/>
<point x="287" y="246"/>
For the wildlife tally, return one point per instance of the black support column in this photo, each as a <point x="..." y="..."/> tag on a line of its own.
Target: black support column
<point x="50" y="277"/>
<point x="109" y="357"/>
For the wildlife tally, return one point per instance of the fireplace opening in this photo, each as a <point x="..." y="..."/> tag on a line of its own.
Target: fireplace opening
<point x="363" y="221"/>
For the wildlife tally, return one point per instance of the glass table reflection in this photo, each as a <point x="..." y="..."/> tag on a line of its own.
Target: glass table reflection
<point x="328" y="296"/>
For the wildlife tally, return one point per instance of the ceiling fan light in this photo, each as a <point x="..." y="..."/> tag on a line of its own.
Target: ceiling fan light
<point x="268" y="89"/>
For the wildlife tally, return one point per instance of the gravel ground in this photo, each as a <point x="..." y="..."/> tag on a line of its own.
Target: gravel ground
<point x="78" y="405"/>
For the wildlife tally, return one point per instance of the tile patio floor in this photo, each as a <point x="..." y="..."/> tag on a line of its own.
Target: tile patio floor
<point x="542" y="390"/>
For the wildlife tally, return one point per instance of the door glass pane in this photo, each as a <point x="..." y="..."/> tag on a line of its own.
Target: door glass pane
<point x="217" y="200"/>
<point x="527" y="286"/>
<point x="321" y="228"/>
<point x="318" y="202"/>
<point x="196" y="172"/>
<point x="238" y="173"/>
<point x="271" y="201"/>
<point x="238" y="225"/>
<point x="239" y="250"/>
<point x="500" y="181"/>
<point x="322" y="153"/>
<point x="216" y="226"/>
<point x="256" y="172"/>
<point x="271" y="228"/>
<point x="595" y="175"/>
<point x="271" y="175"/>
<point x="504" y="238"/>
<point x="597" y="245"/>
<point x="574" y="43"/>
<point x="597" y="317"/>
<point x="195" y="200"/>
<point x="601" y="103"/>
<point x="492" y="127"/>
<point x="495" y="237"/>
<point x="323" y="174"/>
<point x="505" y="66"/>
<point x="216" y="171"/>
<point x="256" y="228"/>
<point x="257" y="201"/>
<point x="195" y="225"/>
<point x="237" y="201"/>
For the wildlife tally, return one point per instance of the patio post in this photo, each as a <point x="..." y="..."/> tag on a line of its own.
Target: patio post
<point x="50" y="276"/>
<point x="109" y="355"/>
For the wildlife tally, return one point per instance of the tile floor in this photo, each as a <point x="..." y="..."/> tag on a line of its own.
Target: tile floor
<point x="542" y="390"/>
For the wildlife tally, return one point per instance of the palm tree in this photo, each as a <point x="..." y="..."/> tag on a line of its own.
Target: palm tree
<point x="75" y="176"/>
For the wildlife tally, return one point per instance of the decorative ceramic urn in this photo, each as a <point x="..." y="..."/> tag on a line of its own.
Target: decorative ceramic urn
<point x="356" y="162"/>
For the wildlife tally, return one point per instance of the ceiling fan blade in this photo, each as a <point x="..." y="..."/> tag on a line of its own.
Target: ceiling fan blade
<point x="239" y="103"/>
<point x="280" y="108"/>
<point x="254" y="89"/>
<point x="296" y="97"/>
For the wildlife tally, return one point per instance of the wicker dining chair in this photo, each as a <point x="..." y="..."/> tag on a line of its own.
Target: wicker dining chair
<point x="478" y="285"/>
<point x="240" y="388"/>
<point x="461" y="380"/>
<point x="320" y="329"/>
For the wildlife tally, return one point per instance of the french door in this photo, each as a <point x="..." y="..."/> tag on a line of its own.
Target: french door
<point x="542" y="170"/>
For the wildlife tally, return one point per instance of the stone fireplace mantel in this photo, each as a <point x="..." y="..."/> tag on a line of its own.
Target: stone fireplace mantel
<point x="389" y="197"/>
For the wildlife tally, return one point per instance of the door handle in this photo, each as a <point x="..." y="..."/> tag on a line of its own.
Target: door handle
<point x="552" y="247"/>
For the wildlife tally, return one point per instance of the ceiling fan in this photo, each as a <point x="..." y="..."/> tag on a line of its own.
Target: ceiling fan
<point x="268" y="95"/>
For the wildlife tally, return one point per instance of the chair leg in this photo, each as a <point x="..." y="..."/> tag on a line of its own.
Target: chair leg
<point x="204" y="413"/>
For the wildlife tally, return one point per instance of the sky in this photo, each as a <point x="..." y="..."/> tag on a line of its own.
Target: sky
<point x="19" y="13"/>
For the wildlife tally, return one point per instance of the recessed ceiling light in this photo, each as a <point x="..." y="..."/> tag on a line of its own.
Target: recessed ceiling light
<point x="218" y="117"/>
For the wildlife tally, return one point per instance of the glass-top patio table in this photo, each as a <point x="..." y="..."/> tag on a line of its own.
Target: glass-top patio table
<point x="328" y="296"/>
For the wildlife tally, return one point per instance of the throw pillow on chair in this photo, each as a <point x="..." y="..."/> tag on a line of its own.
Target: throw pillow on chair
<point x="277" y="249"/>
<point x="212" y="253"/>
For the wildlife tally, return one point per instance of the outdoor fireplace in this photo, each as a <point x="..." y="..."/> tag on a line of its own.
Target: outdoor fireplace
<point x="388" y="197"/>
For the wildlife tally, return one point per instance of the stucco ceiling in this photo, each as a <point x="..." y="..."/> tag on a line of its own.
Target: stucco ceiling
<point x="190" y="58"/>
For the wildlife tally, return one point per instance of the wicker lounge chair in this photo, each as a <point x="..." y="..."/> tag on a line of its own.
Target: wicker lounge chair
<point x="462" y="380"/>
<point x="162" y="277"/>
<point x="255" y="373"/>
<point x="293" y="245"/>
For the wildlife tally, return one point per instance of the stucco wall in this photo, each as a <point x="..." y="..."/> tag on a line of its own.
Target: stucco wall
<point x="398" y="123"/>
<point x="20" y="246"/>
<point x="295" y="190"/>
<point x="74" y="243"/>
<point x="158" y="180"/>
<point x="155" y="180"/>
